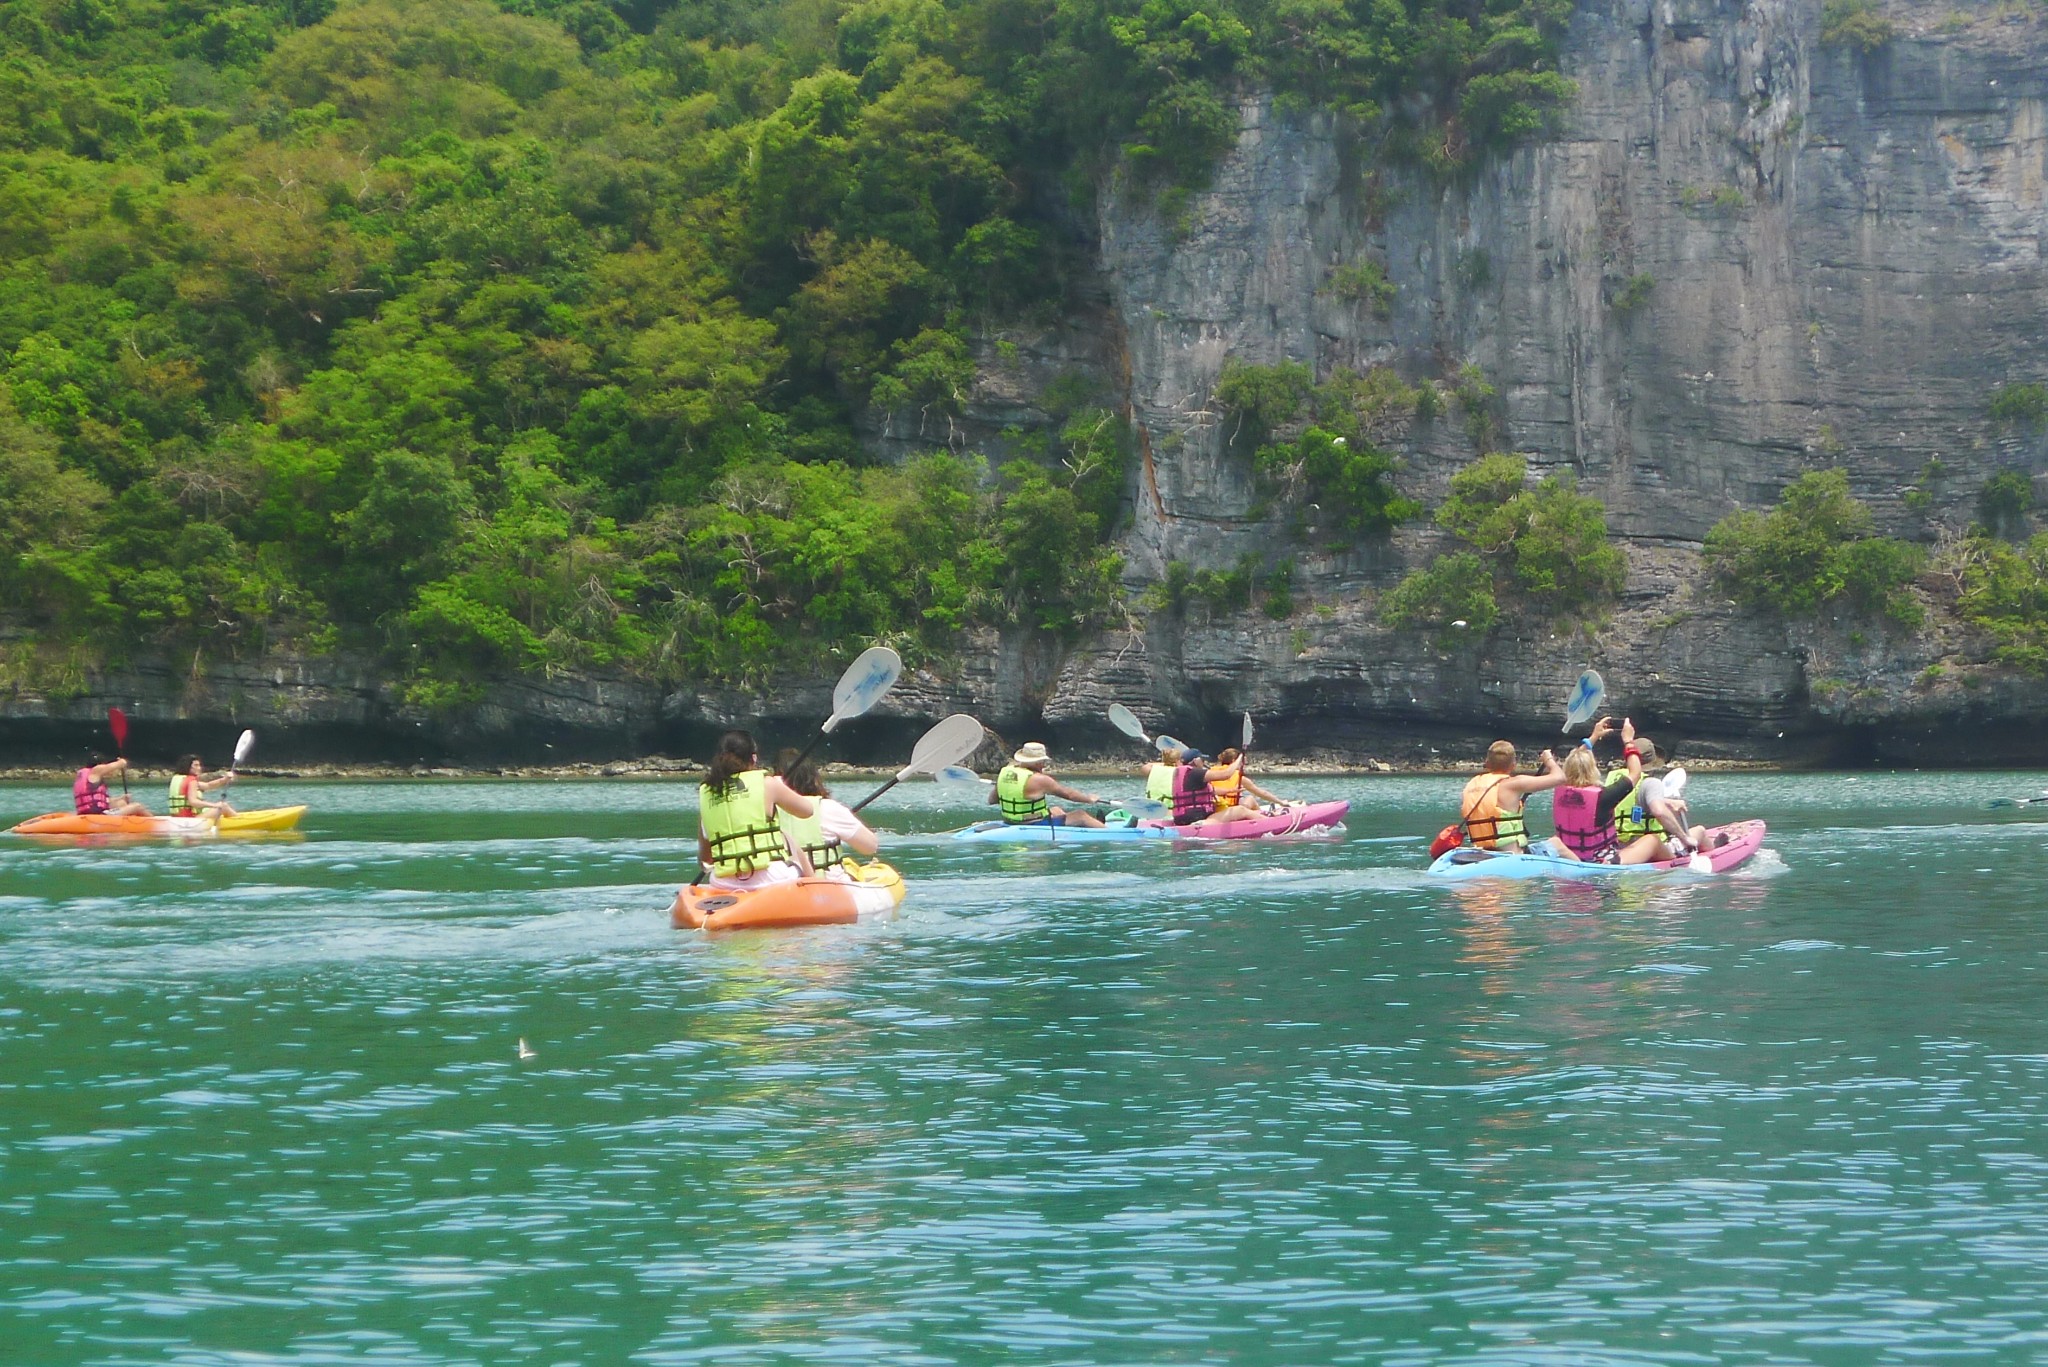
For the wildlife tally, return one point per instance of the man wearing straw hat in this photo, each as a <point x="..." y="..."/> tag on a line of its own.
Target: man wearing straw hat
<point x="1024" y="785"/>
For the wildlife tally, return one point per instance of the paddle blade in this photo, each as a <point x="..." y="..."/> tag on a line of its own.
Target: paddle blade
<point x="243" y="745"/>
<point x="1169" y="743"/>
<point x="1699" y="863"/>
<point x="117" y="722"/>
<point x="864" y="683"/>
<point x="1585" y="698"/>
<point x="1247" y="743"/>
<point x="1674" y="781"/>
<point x="955" y="773"/>
<point x="1126" y="721"/>
<point x="952" y="740"/>
<point x="1149" y="809"/>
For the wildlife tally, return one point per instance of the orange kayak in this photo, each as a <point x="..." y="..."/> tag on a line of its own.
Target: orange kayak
<point x="876" y="890"/>
<point x="242" y="823"/>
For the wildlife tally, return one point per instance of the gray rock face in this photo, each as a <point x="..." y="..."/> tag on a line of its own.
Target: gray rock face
<point x="1838" y="257"/>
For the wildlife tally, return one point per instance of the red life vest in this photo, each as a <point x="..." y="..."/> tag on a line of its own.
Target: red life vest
<point x="1189" y="800"/>
<point x="1574" y="810"/>
<point x="88" y="796"/>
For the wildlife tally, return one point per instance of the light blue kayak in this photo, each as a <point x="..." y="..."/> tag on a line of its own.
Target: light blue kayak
<point x="1739" y="842"/>
<point x="999" y="833"/>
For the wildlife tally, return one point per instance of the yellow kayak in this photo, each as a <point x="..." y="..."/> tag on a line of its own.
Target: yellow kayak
<point x="106" y="823"/>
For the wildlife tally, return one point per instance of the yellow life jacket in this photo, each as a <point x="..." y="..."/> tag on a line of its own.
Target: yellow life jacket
<point x="1486" y="825"/>
<point x="739" y="827"/>
<point x="1018" y="808"/>
<point x="807" y="833"/>
<point x="1226" y="789"/>
<point x="1631" y="818"/>
<point x="1159" y="782"/>
<point x="183" y="801"/>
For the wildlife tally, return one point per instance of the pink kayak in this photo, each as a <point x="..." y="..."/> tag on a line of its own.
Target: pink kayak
<point x="1314" y="818"/>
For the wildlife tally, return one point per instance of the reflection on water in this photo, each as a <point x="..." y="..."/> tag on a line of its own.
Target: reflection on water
<point x="1266" y="1104"/>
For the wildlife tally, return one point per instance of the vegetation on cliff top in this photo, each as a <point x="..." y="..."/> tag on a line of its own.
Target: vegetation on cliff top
<point x="541" y="334"/>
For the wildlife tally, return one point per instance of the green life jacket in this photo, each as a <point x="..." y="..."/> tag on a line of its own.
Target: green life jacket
<point x="181" y="801"/>
<point x="807" y="833"/>
<point x="1159" y="782"/>
<point x="1017" y="808"/>
<point x="742" y="834"/>
<point x="1631" y="819"/>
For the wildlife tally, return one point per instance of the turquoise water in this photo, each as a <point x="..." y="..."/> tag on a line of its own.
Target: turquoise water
<point x="1291" y="1103"/>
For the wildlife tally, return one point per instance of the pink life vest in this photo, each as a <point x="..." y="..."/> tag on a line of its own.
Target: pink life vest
<point x="88" y="797"/>
<point x="1188" y="800"/>
<point x="1573" y="811"/>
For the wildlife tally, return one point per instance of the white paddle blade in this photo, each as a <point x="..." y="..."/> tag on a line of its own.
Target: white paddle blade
<point x="1126" y="721"/>
<point x="954" y="739"/>
<point x="1247" y="743"/>
<point x="955" y="773"/>
<point x="1585" y="699"/>
<point x="864" y="683"/>
<point x="1166" y="743"/>
<point x="1699" y="863"/>
<point x="1674" y="780"/>
<point x="243" y="745"/>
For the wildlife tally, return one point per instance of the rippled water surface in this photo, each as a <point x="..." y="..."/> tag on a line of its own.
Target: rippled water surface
<point x="1275" y="1104"/>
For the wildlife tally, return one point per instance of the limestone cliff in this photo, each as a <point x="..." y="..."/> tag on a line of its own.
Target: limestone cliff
<point x="1748" y="254"/>
<point x="1837" y="256"/>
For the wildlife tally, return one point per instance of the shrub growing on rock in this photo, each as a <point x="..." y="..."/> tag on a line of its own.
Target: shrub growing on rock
<point x="1817" y="547"/>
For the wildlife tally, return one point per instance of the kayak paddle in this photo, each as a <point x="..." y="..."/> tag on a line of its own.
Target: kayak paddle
<point x="1584" y="699"/>
<point x="117" y="722"/>
<point x="1126" y="721"/>
<point x="860" y="688"/>
<point x="1998" y="802"/>
<point x="956" y="773"/>
<point x="955" y="738"/>
<point x="243" y="745"/>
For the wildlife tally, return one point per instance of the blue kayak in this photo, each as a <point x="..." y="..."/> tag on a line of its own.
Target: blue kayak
<point x="1738" y="843"/>
<point x="1034" y="833"/>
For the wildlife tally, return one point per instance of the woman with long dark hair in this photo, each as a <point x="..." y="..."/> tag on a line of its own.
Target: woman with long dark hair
<point x="827" y="836"/>
<point x="739" y="838"/>
<point x="188" y="787"/>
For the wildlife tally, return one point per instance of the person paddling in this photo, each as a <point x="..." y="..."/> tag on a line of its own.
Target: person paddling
<point x="1025" y="784"/>
<point x="827" y="834"/>
<point x="1490" y="808"/>
<point x="1194" y="801"/>
<point x="1583" y="810"/>
<point x="1229" y="781"/>
<point x="738" y="838"/>
<point x="89" y="795"/>
<point x="189" y="786"/>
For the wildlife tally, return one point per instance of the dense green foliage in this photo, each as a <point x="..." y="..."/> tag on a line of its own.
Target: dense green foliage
<point x="540" y="334"/>
<point x="1545" y="548"/>
<point x="1816" y="548"/>
<point x="2004" y="502"/>
<point x="2020" y="403"/>
<point x="1855" y="23"/>
<point x="1319" y="447"/>
<point x="2005" y="594"/>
